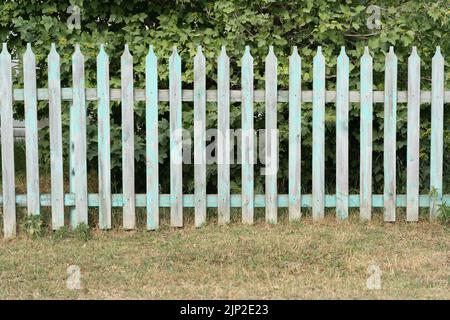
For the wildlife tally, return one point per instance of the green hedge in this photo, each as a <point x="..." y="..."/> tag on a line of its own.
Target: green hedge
<point x="283" y="24"/>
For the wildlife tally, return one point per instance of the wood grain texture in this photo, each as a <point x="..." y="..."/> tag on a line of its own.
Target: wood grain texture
<point x="31" y="131"/>
<point x="78" y="127"/>
<point x="79" y="200"/>
<point x="223" y="143"/>
<point x="129" y="212"/>
<point x="200" y="137"/>
<point x="365" y="173"/>
<point x="437" y="132"/>
<point x="295" y="129"/>
<point x="413" y="137"/>
<point x="247" y="141"/>
<point x="152" y="154"/>
<point x="342" y="135"/>
<point x="7" y="145"/>
<point x="187" y="95"/>
<point x="318" y="124"/>
<point x="235" y="200"/>
<point x="176" y="156"/>
<point x="104" y="143"/>
<point x="72" y="114"/>
<point x="271" y="138"/>
<point x="390" y="135"/>
<point x="56" y="153"/>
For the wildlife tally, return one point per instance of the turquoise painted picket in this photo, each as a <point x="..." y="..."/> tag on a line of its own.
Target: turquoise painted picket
<point x="151" y="135"/>
<point x="366" y="110"/>
<point x="247" y="138"/>
<point x="104" y="143"/>
<point x="78" y="199"/>
<point x="56" y="153"/>
<point x="318" y="124"/>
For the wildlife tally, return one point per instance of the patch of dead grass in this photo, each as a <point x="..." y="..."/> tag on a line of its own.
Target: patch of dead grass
<point x="286" y="261"/>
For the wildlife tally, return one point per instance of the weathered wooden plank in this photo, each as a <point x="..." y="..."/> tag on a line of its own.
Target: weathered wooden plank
<point x="412" y="157"/>
<point x="437" y="132"/>
<point x="318" y="124"/>
<point x="72" y="125"/>
<point x="271" y="137"/>
<point x="200" y="137"/>
<point x="187" y="95"/>
<point x="176" y="156"/>
<point x="295" y="129"/>
<point x="151" y="118"/>
<point x="126" y="70"/>
<point x="7" y="145"/>
<point x="235" y="200"/>
<point x="365" y="174"/>
<point x="104" y="144"/>
<point x="390" y="132"/>
<point x="342" y="135"/>
<point x="223" y="143"/>
<point x="31" y="131"/>
<point x="56" y="153"/>
<point x="78" y="127"/>
<point x="247" y="141"/>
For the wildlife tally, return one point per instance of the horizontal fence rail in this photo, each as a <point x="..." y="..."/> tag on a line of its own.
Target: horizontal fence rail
<point x="79" y="200"/>
<point x="187" y="95"/>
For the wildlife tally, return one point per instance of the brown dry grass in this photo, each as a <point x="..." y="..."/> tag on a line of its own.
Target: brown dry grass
<point x="287" y="261"/>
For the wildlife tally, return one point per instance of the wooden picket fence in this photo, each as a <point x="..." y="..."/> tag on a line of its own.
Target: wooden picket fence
<point x="79" y="199"/>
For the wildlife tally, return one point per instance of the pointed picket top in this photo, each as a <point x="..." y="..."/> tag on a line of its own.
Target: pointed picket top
<point x="28" y="52"/>
<point x="271" y="57"/>
<point x="271" y="52"/>
<point x="414" y="56"/>
<point x="294" y="56"/>
<point x="366" y="57"/>
<point x="247" y="57"/>
<point x="391" y="53"/>
<point x="319" y="55"/>
<point x="102" y="52"/>
<point x="53" y="53"/>
<point x="126" y="55"/>
<point x="77" y="49"/>
<point x="199" y="56"/>
<point x="294" y="51"/>
<point x="77" y="53"/>
<point x="174" y="54"/>
<point x="390" y="56"/>
<point x="223" y="53"/>
<point x="151" y="53"/>
<point x="438" y="55"/>
<point x="151" y="56"/>
<point x="199" y="51"/>
<point x="343" y="55"/>
<point x="367" y="52"/>
<point x="414" y="53"/>
<point x="4" y="50"/>
<point x="247" y="54"/>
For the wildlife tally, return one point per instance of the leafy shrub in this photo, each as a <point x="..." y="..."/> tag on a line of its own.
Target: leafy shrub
<point x="444" y="214"/>
<point x="82" y="232"/>
<point x="62" y="233"/>
<point x="236" y="23"/>
<point x="33" y="226"/>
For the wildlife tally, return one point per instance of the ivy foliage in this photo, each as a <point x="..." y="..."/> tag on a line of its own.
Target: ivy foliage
<point x="236" y="23"/>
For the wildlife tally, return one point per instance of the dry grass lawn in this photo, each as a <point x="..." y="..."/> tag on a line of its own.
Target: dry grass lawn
<point x="287" y="261"/>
